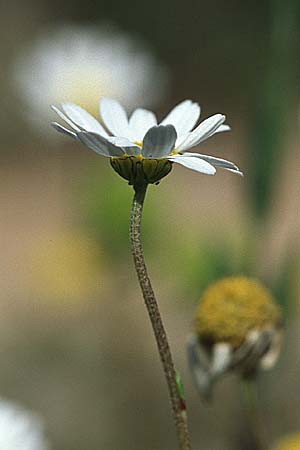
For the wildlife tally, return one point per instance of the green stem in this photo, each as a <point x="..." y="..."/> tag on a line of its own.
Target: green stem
<point x="253" y="414"/>
<point x="178" y="405"/>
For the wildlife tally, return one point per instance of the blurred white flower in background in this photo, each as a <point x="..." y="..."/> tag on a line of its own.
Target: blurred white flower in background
<point x="20" y="429"/>
<point x="80" y="64"/>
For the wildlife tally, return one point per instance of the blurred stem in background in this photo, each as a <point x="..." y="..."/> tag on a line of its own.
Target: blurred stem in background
<point x="175" y="387"/>
<point x="251" y="407"/>
<point x="270" y="113"/>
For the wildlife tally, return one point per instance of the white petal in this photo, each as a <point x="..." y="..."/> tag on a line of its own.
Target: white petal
<point x="193" y="163"/>
<point x="199" y="366"/>
<point x="217" y="162"/>
<point x="237" y="172"/>
<point x="222" y="128"/>
<point x="126" y="145"/>
<point x="65" y="118"/>
<point x="121" y="141"/>
<point x="140" y="122"/>
<point x="221" y="358"/>
<point x="270" y="358"/>
<point x="99" y="144"/>
<point x="63" y="130"/>
<point x="184" y="117"/>
<point x="206" y="129"/>
<point x="82" y="118"/>
<point x="159" y="141"/>
<point x="114" y="117"/>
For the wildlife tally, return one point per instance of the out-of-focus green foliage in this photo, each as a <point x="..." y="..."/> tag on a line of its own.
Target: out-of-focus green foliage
<point x="200" y="259"/>
<point x="106" y="202"/>
<point x="287" y="285"/>
<point x="272" y="103"/>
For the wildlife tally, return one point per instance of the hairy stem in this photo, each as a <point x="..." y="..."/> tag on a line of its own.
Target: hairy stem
<point x="177" y="402"/>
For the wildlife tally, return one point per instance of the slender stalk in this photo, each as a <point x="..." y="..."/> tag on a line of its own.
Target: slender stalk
<point x="253" y="414"/>
<point x="177" y="402"/>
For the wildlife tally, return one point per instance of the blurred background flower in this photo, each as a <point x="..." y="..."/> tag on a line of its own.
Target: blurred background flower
<point x="238" y="327"/>
<point x="81" y="64"/>
<point x="20" y="429"/>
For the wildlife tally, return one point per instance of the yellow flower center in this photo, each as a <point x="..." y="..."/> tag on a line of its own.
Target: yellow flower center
<point x="232" y="307"/>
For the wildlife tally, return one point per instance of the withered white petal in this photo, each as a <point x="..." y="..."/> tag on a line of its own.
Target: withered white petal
<point x="200" y="367"/>
<point x="221" y="358"/>
<point x="271" y="356"/>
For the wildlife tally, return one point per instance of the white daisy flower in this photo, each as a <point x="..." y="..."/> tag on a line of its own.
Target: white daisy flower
<point x="20" y="429"/>
<point x="139" y="147"/>
<point x="81" y="64"/>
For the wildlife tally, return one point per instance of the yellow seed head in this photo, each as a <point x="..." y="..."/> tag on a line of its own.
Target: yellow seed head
<point x="232" y="307"/>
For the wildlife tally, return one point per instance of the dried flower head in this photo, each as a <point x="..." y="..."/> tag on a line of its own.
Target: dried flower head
<point x="238" y="326"/>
